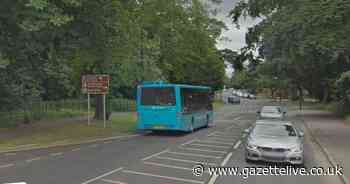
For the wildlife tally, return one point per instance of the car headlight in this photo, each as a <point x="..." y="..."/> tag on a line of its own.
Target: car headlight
<point x="297" y="149"/>
<point x="251" y="146"/>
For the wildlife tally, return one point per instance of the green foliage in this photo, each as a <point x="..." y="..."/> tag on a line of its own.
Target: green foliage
<point x="46" y="46"/>
<point x="307" y="40"/>
<point x="343" y="87"/>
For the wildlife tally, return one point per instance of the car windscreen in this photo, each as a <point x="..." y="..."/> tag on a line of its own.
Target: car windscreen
<point x="274" y="130"/>
<point x="274" y="110"/>
<point x="158" y="96"/>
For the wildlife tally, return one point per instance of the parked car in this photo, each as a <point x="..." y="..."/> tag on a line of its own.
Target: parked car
<point x="272" y="112"/>
<point x="234" y="99"/>
<point x="275" y="141"/>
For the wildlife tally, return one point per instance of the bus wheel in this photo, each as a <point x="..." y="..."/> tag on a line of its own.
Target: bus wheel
<point x="207" y="122"/>
<point x="191" y="125"/>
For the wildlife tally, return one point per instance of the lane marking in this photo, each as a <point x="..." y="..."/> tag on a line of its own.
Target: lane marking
<point x="112" y="181"/>
<point x="5" y="166"/>
<point x="211" y="134"/>
<point x="33" y="159"/>
<point x="183" y="160"/>
<point x="222" y="140"/>
<point x="76" y="149"/>
<point x="188" y="142"/>
<point x="204" y="150"/>
<point x="237" y="144"/>
<point x="101" y="176"/>
<point x="93" y="145"/>
<point x="164" y="177"/>
<point x="225" y="137"/>
<point x="169" y="166"/>
<point x="154" y="155"/>
<point x="223" y="163"/>
<point x="56" y="154"/>
<point x="196" y="155"/>
<point x="210" y="146"/>
<point x="216" y="142"/>
<point x="10" y="154"/>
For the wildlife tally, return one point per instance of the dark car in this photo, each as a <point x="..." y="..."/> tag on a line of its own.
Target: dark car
<point x="234" y="99"/>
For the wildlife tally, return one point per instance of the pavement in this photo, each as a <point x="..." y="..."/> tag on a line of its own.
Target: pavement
<point x="153" y="158"/>
<point x="333" y="134"/>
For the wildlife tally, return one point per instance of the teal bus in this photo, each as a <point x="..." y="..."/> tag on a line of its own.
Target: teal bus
<point x="178" y="107"/>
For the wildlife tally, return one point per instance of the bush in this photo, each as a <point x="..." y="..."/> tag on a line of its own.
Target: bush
<point x="343" y="91"/>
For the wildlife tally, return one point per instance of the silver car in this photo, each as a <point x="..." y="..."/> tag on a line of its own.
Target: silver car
<point x="275" y="141"/>
<point x="272" y="112"/>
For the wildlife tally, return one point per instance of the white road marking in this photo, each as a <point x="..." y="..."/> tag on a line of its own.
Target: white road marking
<point x="76" y="149"/>
<point x="211" y="134"/>
<point x="156" y="154"/>
<point x="101" y="176"/>
<point x="5" y="166"/>
<point x="168" y="166"/>
<point x="237" y="144"/>
<point x="33" y="159"/>
<point x="183" y="160"/>
<point x="210" y="146"/>
<point x="225" y="137"/>
<point x="222" y="140"/>
<point x="164" y="177"/>
<point x="93" y="145"/>
<point x="112" y="181"/>
<point x="216" y="142"/>
<point x="56" y="154"/>
<point x="10" y="154"/>
<point x="188" y="142"/>
<point x="196" y="155"/>
<point x="223" y="163"/>
<point x="204" y="150"/>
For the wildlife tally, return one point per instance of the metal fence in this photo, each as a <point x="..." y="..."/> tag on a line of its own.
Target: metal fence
<point x="38" y="110"/>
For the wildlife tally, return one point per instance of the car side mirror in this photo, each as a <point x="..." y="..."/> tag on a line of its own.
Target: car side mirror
<point x="301" y="134"/>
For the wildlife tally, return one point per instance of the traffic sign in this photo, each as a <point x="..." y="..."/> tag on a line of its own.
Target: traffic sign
<point x="95" y="84"/>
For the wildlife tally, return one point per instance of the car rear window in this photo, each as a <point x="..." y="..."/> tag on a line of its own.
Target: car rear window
<point x="274" y="130"/>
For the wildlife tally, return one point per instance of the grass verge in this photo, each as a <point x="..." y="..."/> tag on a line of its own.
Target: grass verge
<point x="217" y="105"/>
<point x="71" y="132"/>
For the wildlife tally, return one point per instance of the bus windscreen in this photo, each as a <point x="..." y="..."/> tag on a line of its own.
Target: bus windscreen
<point x="155" y="96"/>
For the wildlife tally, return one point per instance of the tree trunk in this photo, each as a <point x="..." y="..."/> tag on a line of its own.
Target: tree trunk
<point x="99" y="107"/>
<point x="325" y="95"/>
<point x="301" y="97"/>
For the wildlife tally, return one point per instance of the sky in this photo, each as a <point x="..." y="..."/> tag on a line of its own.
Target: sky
<point x="236" y="36"/>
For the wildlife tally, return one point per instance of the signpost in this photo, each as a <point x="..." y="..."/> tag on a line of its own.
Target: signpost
<point x="96" y="85"/>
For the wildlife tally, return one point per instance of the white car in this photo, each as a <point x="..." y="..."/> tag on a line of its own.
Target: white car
<point x="272" y="112"/>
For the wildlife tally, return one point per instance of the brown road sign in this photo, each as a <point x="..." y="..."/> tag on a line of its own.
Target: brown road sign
<point x="95" y="84"/>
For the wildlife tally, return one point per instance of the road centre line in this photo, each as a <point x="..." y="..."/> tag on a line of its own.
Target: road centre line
<point x="154" y="155"/>
<point x="56" y="154"/>
<point x="197" y="155"/>
<point x="204" y="150"/>
<point x="164" y="177"/>
<point x="222" y="140"/>
<point x="189" y="142"/>
<point x="221" y="136"/>
<point x="168" y="166"/>
<point x="33" y="159"/>
<point x="210" y="146"/>
<point x="216" y="142"/>
<point x="112" y="181"/>
<point x="10" y="154"/>
<point x="237" y="144"/>
<point x="5" y="166"/>
<point x="103" y="175"/>
<point x="76" y="149"/>
<point x="223" y="163"/>
<point x="183" y="160"/>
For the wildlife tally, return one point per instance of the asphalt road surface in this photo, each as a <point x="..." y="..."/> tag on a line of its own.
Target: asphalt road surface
<point x="163" y="158"/>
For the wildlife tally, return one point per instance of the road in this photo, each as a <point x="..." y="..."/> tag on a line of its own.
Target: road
<point x="150" y="158"/>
